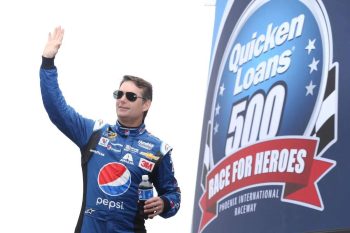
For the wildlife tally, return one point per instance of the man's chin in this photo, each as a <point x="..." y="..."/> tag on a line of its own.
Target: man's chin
<point x="122" y="116"/>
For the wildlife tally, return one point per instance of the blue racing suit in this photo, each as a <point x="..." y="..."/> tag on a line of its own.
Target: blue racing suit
<point x="114" y="158"/>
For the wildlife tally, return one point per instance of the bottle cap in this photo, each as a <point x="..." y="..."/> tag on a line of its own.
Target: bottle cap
<point x="144" y="177"/>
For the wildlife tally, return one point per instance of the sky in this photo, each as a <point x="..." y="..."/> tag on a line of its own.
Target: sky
<point x="167" y="42"/>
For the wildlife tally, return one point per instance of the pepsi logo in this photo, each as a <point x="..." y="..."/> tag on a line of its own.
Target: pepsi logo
<point x="114" y="179"/>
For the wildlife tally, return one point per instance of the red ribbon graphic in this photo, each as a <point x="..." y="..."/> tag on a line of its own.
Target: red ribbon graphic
<point x="291" y="161"/>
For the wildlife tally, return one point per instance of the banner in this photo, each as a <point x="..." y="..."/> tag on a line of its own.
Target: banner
<point x="274" y="149"/>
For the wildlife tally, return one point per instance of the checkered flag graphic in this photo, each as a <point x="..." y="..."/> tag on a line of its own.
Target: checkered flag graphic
<point x="326" y="124"/>
<point x="208" y="163"/>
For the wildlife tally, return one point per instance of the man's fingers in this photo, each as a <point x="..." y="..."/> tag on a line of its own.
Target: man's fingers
<point x="54" y="42"/>
<point x="56" y="35"/>
<point x="57" y="32"/>
<point x="153" y="213"/>
<point x="61" y="36"/>
<point x="153" y="210"/>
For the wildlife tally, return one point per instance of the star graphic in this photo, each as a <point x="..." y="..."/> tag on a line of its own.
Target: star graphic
<point x="313" y="65"/>
<point x="216" y="128"/>
<point x="222" y="89"/>
<point x="310" y="89"/>
<point x="217" y="110"/>
<point x="310" y="46"/>
<point x="89" y="211"/>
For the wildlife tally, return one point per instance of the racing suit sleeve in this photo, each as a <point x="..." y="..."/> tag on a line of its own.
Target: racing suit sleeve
<point x="167" y="187"/>
<point x="67" y="120"/>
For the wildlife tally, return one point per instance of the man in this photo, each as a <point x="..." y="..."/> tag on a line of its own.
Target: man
<point x="114" y="157"/>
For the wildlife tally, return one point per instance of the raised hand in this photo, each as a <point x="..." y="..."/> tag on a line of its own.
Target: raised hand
<point x="54" y="42"/>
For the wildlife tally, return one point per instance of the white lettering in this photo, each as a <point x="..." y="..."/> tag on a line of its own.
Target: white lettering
<point x="259" y="44"/>
<point x="111" y="204"/>
<point x="286" y="160"/>
<point x="242" y="168"/>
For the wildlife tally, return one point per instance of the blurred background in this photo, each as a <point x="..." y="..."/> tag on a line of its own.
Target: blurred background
<point x="164" y="41"/>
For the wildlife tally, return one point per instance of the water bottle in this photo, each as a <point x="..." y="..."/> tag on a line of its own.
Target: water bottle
<point x="145" y="192"/>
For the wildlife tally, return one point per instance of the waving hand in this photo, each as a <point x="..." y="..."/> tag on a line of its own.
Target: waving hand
<point x="54" y="42"/>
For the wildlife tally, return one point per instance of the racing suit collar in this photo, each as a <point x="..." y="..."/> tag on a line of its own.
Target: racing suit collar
<point x="129" y="131"/>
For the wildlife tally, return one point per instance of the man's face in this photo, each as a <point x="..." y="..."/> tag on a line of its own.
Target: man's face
<point x="131" y="113"/>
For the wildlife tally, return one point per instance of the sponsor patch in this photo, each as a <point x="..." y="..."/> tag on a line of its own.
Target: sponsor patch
<point x="146" y="165"/>
<point x="103" y="141"/>
<point x="131" y="149"/>
<point x="145" y="145"/>
<point x="165" y="148"/>
<point x="149" y="155"/>
<point x="127" y="158"/>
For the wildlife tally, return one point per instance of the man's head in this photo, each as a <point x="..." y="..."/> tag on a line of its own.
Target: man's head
<point x="134" y="98"/>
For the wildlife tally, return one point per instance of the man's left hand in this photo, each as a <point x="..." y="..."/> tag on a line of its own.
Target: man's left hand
<point x="154" y="206"/>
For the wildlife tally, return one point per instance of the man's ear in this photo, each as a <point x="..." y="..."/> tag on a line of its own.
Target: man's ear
<point x="146" y="105"/>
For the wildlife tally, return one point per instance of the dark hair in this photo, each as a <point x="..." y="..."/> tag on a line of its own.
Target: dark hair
<point x="146" y="87"/>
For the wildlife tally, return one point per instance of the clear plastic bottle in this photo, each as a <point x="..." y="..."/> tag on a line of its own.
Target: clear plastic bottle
<point x="145" y="193"/>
